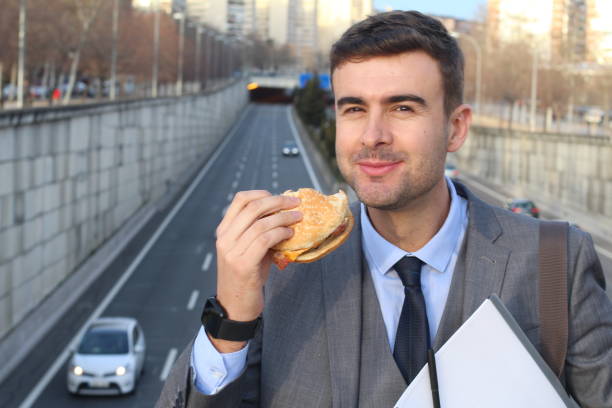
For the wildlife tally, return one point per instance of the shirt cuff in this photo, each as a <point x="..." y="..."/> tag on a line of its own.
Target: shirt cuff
<point x="214" y="370"/>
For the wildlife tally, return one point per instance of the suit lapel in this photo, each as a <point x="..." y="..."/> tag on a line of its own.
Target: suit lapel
<point x="480" y="268"/>
<point x="342" y="276"/>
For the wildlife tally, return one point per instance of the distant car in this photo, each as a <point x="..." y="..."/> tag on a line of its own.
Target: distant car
<point x="109" y="358"/>
<point x="523" y="206"/>
<point x="450" y="170"/>
<point x="290" y="149"/>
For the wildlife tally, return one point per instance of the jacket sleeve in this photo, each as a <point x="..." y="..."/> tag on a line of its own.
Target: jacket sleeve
<point x="179" y="390"/>
<point x="588" y="365"/>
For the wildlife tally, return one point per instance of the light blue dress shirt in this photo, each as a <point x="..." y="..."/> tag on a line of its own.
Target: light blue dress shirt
<point x="213" y="370"/>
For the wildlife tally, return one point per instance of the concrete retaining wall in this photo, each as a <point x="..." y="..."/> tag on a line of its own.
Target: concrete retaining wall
<point x="572" y="172"/>
<point x="70" y="177"/>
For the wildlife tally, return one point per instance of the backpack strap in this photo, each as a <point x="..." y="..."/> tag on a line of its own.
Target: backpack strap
<point x="553" y="299"/>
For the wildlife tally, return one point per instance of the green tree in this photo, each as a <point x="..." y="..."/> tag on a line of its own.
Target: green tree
<point x="310" y="103"/>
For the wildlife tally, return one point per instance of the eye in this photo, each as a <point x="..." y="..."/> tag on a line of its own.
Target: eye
<point x="404" y="108"/>
<point x="353" y="109"/>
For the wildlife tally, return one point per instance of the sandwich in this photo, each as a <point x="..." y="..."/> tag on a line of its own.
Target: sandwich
<point x="326" y="223"/>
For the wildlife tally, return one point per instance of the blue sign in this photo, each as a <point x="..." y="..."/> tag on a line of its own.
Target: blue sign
<point x="324" y="80"/>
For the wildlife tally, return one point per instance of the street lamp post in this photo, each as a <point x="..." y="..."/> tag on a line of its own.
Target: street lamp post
<point x="534" y="92"/>
<point x="179" y="77"/>
<point x="198" y="56"/>
<point x="478" y="50"/>
<point x="22" y="52"/>
<point x="155" y="51"/>
<point x="113" y="80"/>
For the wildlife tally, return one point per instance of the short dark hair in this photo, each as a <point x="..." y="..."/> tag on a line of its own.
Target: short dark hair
<point x="396" y="32"/>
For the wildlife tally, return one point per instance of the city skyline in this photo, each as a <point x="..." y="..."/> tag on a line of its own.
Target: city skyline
<point x="466" y="9"/>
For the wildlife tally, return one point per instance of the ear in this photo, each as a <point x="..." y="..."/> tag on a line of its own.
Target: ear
<point x="459" y="126"/>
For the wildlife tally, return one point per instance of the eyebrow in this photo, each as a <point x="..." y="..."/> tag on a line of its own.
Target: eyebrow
<point x="353" y="100"/>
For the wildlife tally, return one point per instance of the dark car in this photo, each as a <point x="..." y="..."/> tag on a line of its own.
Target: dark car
<point x="524" y="206"/>
<point x="290" y="149"/>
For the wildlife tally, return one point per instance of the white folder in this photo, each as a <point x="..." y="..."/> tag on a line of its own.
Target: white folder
<point x="488" y="362"/>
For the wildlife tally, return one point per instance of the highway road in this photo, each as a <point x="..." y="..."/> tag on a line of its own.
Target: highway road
<point x="176" y="272"/>
<point x="164" y="276"/>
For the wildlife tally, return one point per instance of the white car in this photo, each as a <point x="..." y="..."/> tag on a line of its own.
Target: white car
<point x="109" y="358"/>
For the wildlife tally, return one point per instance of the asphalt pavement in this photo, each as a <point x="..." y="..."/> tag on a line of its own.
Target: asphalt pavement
<point x="171" y="267"/>
<point x="163" y="277"/>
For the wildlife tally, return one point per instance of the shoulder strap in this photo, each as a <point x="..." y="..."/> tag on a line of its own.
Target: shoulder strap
<point x="553" y="293"/>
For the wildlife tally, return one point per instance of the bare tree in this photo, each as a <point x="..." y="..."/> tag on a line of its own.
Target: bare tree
<point x="86" y="12"/>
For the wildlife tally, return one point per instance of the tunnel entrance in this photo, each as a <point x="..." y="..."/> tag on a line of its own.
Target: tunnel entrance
<point x="271" y="95"/>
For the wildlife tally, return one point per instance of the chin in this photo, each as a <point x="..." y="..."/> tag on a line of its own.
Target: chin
<point x="380" y="197"/>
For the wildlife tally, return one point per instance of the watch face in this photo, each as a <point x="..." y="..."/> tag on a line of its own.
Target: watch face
<point x="212" y="316"/>
<point x="218" y="326"/>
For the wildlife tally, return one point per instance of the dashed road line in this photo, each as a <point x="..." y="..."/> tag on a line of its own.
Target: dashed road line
<point x="309" y="169"/>
<point x="206" y="263"/>
<point x="193" y="299"/>
<point x="168" y="364"/>
<point x="234" y="184"/>
<point x="230" y="196"/>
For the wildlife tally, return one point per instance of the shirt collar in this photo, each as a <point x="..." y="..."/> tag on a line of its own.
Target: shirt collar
<point x="382" y="255"/>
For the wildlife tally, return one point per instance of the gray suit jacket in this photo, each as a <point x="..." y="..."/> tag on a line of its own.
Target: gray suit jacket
<point x="308" y="351"/>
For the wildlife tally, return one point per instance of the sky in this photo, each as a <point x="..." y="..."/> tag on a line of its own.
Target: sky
<point x="465" y="9"/>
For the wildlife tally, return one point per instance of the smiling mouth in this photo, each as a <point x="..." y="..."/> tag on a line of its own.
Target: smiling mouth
<point x="377" y="169"/>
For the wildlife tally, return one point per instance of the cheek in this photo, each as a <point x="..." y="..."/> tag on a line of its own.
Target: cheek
<point x="346" y="136"/>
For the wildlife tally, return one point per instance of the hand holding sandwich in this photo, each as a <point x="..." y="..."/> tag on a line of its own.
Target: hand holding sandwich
<point x="259" y="229"/>
<point x="253" y="223"/>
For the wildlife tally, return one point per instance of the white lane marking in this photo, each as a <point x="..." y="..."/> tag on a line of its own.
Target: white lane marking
<point x="230" y="196"/>
<point x="168" y="364"/>
<point x="296" y="136"/>
<point x="224" y="210"/>
<point x="199" y="248"/>
<point x="234" y="184"/>
<point x="61" y="359"/>
<point x="274" y="166"/>
<point x="274" y="174"/>
<point x="275" y="184"/>
<point x="238" y="174"/>
<point x="193" y="299"/>
<point x="206" y="263"/>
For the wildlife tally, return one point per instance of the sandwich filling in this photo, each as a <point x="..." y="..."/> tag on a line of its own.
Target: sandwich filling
<point x="282" y="259"/>
<point x="325" y="218"/>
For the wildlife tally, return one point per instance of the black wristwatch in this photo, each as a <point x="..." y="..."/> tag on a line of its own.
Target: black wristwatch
<point x="216" y="323"/>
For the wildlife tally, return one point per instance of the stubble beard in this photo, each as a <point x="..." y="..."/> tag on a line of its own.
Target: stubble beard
<point x="418" y="178"/>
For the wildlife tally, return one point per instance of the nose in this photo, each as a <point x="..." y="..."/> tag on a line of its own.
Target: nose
<point x="375" y="132"/>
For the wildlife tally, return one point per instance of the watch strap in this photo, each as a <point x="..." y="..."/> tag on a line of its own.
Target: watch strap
<point x="219" y="326"/>
<point x="236" y="331"/>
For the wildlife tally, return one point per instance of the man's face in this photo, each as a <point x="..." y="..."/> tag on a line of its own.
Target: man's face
<point x="391" y="129"/>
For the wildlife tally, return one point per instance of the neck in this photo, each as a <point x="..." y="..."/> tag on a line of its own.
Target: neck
<point x="412" y="226"/>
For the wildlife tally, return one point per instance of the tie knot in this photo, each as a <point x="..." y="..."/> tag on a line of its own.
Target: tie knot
<point x="409" y="270"/>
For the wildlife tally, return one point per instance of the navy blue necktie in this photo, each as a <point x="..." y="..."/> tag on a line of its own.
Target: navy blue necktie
<point x="412" y="338"/>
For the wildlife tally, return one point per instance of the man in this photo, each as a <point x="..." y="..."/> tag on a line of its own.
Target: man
<point x="352" y="329"/>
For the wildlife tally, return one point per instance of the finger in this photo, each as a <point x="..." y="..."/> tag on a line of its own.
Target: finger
<point x="260" y="247"/>
<point x="263" y="225"/>
<point x="255" y="210"/>
<point x="241" y="199"/>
